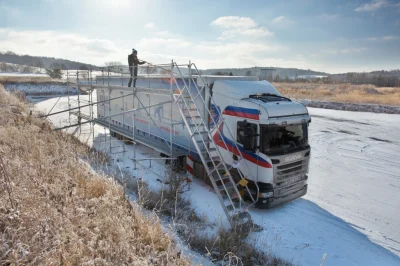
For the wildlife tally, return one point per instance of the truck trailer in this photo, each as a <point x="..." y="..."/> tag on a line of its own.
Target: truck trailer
<point x="239" y="134"/>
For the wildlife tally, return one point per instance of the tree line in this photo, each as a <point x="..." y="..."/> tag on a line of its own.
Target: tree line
<point x="378" y="78"/>
<point x="41" y="62"/>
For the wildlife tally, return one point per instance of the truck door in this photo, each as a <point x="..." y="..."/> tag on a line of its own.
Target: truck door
<point x="247" y="139"/>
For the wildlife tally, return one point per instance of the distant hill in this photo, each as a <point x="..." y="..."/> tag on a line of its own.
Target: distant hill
<point x="43" y="62"/>
<point x="389" y="78"/>
<point x="283" y="73"/>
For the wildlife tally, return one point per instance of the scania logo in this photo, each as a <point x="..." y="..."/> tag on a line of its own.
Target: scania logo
<point x="293" y="157"/>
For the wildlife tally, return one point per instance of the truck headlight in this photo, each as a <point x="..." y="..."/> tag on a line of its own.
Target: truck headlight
<point x="266" y="195"/>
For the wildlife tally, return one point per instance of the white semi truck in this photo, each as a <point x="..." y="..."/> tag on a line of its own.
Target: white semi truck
<point x="239" y="134"/>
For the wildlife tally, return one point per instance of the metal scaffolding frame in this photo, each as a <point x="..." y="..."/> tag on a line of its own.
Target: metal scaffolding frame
<point x="85" y="82"/>
<point x="112" y="78"/>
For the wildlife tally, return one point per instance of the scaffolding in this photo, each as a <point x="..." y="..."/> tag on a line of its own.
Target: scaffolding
<point x="94" y="91"/>
<point x="82" y="104"/>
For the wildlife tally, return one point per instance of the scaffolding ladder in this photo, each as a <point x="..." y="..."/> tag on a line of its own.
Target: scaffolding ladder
<point x="218" y="171"/>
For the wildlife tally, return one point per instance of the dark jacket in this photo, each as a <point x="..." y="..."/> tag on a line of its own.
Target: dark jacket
<point x="134" y="61"/>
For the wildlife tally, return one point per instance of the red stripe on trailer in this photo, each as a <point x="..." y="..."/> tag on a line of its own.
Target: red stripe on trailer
<point x="189" y="169"/>
<point x="242" y="114"/>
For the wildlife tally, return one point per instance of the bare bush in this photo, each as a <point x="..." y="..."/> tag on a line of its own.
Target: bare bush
<point x="228" y="246"/>
<point x="54" y="73"/>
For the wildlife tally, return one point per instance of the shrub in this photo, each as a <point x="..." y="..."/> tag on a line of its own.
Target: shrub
<point x="54" y="73"/>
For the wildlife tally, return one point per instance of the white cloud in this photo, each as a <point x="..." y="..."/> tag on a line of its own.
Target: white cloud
<point x="278" y="19"/>
<point x="372" y="6"/>
<point x="240" y="26"/>
<point x="384" y="38"/>
<point x="235" y="49"/>
<point x="234" y="22"/>
<point x="346" y="50"/>
<point x="255" y="32"/>
<point x="390" y="38"/>
<point x="62" y="45"/>
<point x="283" y="22"/>
<point x="150" y="26"/>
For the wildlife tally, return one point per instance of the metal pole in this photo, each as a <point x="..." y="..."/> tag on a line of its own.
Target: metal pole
<point x="133" y="128"/>
<point x="190" y="81"/>
<point x="122" y="76"/>
<point x="172" y="102"/>
<point x="134" y="142"/>
<point x="109" y="107"/>
<point x="123" y="120"/>
<point x="79" y="105"/>
<point x="92" y="108"/>
<point x="69" y="104"/>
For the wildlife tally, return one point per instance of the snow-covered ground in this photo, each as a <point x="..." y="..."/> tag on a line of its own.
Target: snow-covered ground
<point x="351" y="212"/>
<point x="41" y="88"/>
<point x="18" y="74"/>
<point x="359" y="107"/>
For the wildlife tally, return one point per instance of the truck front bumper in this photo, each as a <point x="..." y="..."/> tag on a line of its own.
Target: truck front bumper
<point x="266" y="203"/>
<point x="284" y="194"/>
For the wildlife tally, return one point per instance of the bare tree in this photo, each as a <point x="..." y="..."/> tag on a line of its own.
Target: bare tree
<point x="248" y="73"/>
<point x="54" y="73"/>
<point x="55" y="65"/>
<point x="84" y="72"/>
<point x="3" y="67"/>
<point x="27" y="69"/>
<point x="39" y="64"/>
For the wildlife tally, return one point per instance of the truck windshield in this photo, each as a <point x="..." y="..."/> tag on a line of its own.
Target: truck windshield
<point x="282" y="139"/>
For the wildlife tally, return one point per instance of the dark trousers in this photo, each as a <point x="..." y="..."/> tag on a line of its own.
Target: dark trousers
<point x="133" y="70"/>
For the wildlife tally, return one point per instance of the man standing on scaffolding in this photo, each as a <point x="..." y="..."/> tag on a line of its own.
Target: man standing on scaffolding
<point x="133" y="63"/>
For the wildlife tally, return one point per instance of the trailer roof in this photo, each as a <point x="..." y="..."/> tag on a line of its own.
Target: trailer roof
<point x="242" y="89"/>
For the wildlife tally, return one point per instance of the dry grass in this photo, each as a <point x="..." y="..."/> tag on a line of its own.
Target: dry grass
<point x="54" y="210"/>
<point x="348" y="93"/>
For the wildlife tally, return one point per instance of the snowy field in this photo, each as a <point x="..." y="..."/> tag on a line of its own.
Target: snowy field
<point x="351" y="212"/>
<point x="41" y="88"/>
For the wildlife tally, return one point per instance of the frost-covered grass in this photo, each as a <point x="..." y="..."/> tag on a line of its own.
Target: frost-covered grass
<point x="55" y="210"/>
<point x="347" y="93"/>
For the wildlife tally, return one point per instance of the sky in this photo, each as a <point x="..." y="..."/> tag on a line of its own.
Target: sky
<point x="333" y="36"/>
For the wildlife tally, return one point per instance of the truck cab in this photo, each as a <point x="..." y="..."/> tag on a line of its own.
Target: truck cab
<point x="271" y="132"/>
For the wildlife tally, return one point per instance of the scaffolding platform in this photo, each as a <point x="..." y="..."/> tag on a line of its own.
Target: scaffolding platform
<point x="155" y="142"/>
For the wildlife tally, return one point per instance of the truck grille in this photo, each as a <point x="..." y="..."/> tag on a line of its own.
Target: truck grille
<point x="291" y="169"/>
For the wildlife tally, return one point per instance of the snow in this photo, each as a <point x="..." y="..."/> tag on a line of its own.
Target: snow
<point x="41" y="88"/>
<point x="351" y="212"/>
<point x="359" y="107"/>
<point x="18" y="74"/>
